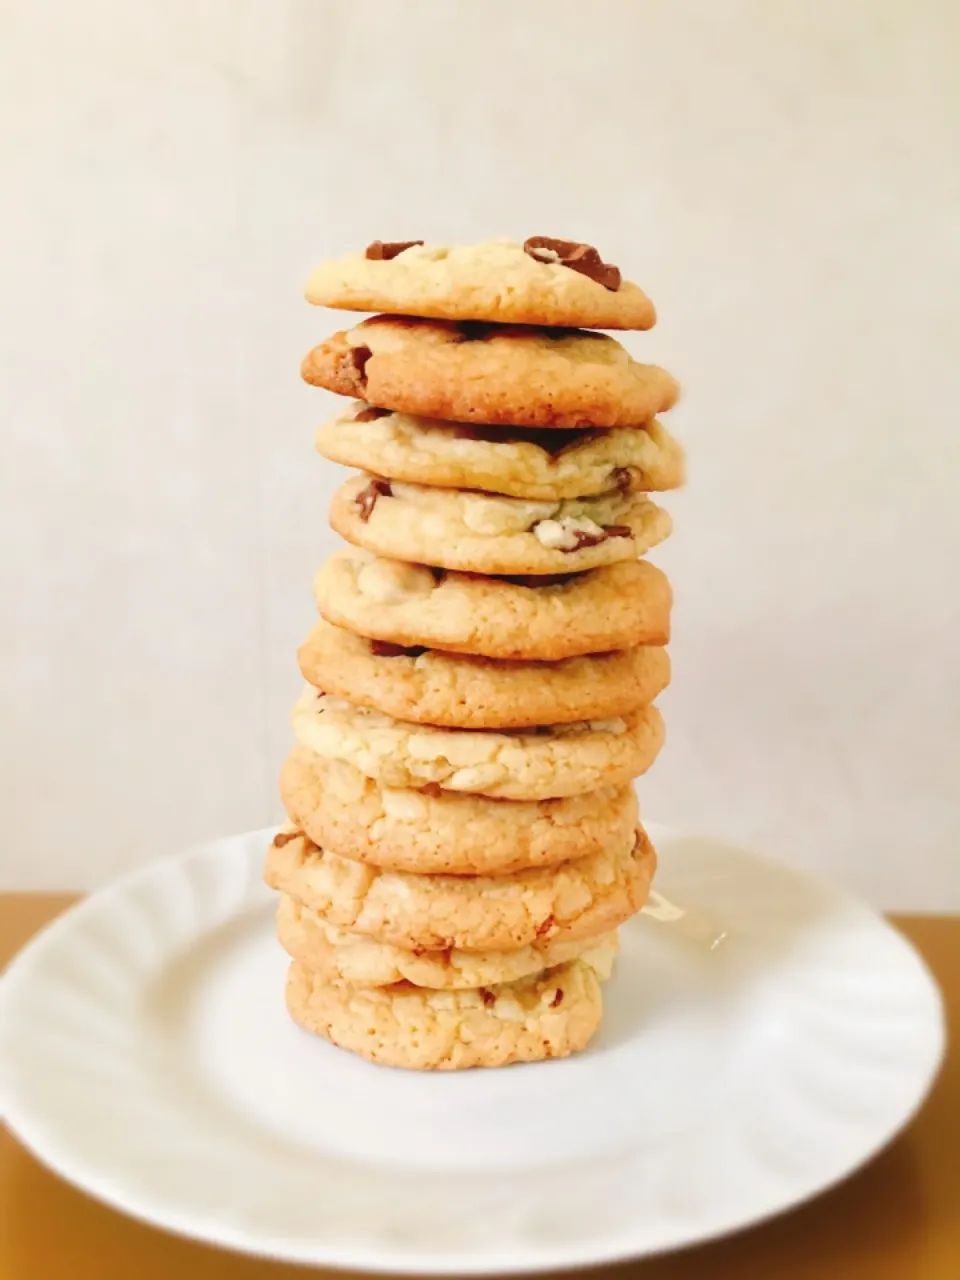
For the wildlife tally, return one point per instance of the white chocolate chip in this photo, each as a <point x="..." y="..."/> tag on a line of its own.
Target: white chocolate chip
<point x="509" y="1008"/>
<point x="391" y="581"/>
<point x="472" y="779"/>
<point x="608" y="726"/>
<point x="406" y="804"/>
<point x="551" y="534"/>
<point x="561" y="535"/>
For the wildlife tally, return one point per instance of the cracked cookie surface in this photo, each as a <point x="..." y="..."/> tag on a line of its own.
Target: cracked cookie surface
<point x="569" y="902"/>
<point x="518" y="764"/>
<point x="496" y="280"/>
<point x="548" y="1016"/>
<point x="429" y="832"/>
<point x="533" y="463"/>
<point x="545" y="618"/>
<point x="428" y="686"/>
<point x="337" y="955"/>
<point x="565" y="378"/>
<point x="493" y="534"/>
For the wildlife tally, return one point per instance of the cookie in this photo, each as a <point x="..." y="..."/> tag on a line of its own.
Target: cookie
<point x="498" y="280"/>
<point x="548" y="1016"/>
<point x="543" y="618"/>
<point x="575" y="900"/>
<point x="491" y="374"/>
<point x="491" y="534"/>
<point x="531" y="764"/>
<point x="533" y="462"/>
<point x="432" y="831"/>
<point x="337" y="955"/>
<point x="427" y="686"/>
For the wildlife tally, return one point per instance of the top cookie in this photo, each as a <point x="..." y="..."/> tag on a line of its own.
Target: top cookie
<point x="492" y="374"/>
<point x="542" y="281"/>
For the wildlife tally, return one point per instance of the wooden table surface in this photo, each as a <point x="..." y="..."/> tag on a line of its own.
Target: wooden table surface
<point x="899" y="1217"/>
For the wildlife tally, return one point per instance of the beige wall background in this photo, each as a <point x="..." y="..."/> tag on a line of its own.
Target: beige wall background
<point x="783" y="178"/>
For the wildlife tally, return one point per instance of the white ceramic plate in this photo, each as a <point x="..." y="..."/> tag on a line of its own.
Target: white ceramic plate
<point x="147" y="1057"/>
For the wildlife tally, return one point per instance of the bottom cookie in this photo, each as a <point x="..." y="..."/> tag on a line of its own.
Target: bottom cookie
<point x="551" y="1015"/>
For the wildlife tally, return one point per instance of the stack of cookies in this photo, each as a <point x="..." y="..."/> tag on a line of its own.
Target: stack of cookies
<point x="463" y="835"/>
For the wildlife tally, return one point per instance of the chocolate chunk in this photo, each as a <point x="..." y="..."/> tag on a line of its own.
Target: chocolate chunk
<point x="588" y="262"/>
<point x="383" y="251"/>
<point x="366" y="499"/>
<point x="433" y="789"/>
<point x="351" y="368"/>
<point x="386" y="649"/>
<point x="578" y="257"/>
<point x="585" y="539"/>
<point x="370" y="414"/>
<point x="607" y="274"/>
<point x="487" y="997"/>
<point x="622" y="478"/>
<point x="284" y="837"/>
<point x="557" y="998"/>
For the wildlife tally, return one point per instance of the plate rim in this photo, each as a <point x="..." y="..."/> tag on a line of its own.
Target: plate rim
<point x="314" y="1251"/>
